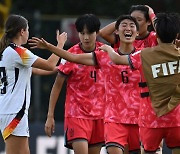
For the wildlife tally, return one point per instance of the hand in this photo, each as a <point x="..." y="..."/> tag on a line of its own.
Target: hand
<point x="151" y="11"/>
<point x="49" y="126"/>
<point x="55" y="69"/>
<point x="105" y="47"/>
<point x="61" y="38"/>
<point x="35" y="42"/>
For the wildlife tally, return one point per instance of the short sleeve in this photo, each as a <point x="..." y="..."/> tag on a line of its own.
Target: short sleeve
<point x="66" y="67"/>
<point x="135" y="60"/>
<point x="100" y="58"/>
<point x="24" y="57"/>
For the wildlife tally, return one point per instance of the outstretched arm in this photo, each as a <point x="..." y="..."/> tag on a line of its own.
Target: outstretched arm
<point x="115" y="57"/>
<point x="53" y="59"/>
<point x="107" y="33"/>
<point x="85" y="58"/>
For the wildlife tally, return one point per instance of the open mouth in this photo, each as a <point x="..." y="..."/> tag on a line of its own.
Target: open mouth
<point x="128" y="35"/>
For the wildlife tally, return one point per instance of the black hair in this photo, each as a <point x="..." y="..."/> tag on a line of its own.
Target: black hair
<point x="90" y="21"/>
<point x="13" y="25"/>
<point x="167" y="26"/>
<point x="123" y="17"/>
<point x="142" y="8"/>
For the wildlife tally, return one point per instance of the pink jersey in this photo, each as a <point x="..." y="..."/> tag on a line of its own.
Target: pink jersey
<point x="121" y="86"/>
<point x="85" y="88"/>
<point x="148" y="41"/>
<point x="147" y="116"/>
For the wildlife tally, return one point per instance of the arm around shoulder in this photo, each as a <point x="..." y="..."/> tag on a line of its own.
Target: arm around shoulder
<point x="115" y="57"/>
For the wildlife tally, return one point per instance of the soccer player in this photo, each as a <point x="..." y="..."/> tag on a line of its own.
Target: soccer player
<point x="145" y="38"/>
<point x="159" y="67"/>
<point x="84" y="105"/>
<point x="121" y="88"/>
<point x="16" y="64"/>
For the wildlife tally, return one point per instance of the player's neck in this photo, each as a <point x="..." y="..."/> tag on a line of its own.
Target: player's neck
<point x="17" y="41"/>
<point x="143" y="35"/>
<point x="126" y="48"/>
<point x="88" y="48"/>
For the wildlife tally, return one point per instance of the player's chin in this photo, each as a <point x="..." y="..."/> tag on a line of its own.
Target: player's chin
<point x="129" y="41"/>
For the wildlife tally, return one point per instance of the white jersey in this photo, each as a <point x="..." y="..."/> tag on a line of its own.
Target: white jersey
<point x="15" y="76"/>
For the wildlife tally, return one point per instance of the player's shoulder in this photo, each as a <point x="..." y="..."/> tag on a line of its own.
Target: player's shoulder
<point x="13" y="49"/>
<point x="149" y="50"/>
<point x="152" y="34"/>
<point x="17" y="47"/>
<point x="98" y="44"/>
<point x="75" y="48"/>
<point x="137" y="52"/>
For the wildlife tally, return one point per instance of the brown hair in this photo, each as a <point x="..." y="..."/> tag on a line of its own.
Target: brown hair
<point x="13" y="25"/>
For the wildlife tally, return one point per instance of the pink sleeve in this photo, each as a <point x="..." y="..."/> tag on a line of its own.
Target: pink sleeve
<point x="66" y="68"/>
<point x="135" y="60"/>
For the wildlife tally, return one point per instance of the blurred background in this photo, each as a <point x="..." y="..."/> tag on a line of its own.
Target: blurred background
<point x="45" y="16"/>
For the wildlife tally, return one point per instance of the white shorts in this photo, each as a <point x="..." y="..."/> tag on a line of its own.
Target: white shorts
<point x="22" y="129"/>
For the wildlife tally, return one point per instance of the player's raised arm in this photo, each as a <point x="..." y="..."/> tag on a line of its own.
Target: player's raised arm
<point x="86" y="59"/>
<point x="107" y="33"/>
<point x="53" y="59"/>
<point x="152" y="15"/>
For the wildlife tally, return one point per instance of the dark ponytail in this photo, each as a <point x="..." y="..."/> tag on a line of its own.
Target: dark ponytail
<point x="5" y="41"/>
<point x="13" y="25"/>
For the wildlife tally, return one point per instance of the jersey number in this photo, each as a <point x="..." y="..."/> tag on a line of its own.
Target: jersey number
<point x="3" y="80"/>
<point x="124" y="76"/>
<point x="93" y="75"/>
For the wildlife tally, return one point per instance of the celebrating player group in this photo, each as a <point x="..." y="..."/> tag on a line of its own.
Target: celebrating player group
<point x="124" y="95"/>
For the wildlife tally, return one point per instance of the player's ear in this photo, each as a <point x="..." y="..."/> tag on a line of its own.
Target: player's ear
<point x="21" y="32"/>
<point x="137" y="34"/>
<point x="116" y="32"/>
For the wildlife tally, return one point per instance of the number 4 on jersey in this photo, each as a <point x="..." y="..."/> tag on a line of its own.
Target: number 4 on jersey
<point x="93" y="75"/>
